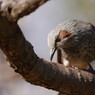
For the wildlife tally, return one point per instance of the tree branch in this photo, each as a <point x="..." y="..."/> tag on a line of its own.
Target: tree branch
<point x="15" y="9"/>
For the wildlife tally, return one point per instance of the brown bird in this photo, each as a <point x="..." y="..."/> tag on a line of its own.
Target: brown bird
<point x="76" y="39"/>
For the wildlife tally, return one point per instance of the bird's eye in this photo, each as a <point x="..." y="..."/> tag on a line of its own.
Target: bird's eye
<point x="58" y="39"/>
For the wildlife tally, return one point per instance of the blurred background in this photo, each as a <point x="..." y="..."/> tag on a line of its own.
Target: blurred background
<point x="35" y="28"/>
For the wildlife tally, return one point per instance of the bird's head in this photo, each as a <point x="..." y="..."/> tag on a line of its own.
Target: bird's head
<point x="60" y="32"/>
<point x="53" y="41"/>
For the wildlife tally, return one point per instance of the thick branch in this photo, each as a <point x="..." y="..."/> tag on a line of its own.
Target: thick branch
<point x="15" y="9"/>
<point x="37" y="71"/>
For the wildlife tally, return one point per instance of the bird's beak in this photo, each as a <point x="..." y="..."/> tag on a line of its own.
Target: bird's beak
<point x="52" y="52"/>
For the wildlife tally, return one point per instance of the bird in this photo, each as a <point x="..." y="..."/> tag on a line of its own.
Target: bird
<point x="76" y="40"/>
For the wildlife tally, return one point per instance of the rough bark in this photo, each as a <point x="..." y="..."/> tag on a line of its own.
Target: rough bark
<point x="38" y="71"/>
<point x="15" y="9"/>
